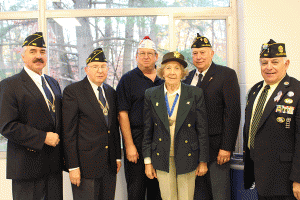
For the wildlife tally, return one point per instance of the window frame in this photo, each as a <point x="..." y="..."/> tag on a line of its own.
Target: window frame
<point x="227" y="13"/>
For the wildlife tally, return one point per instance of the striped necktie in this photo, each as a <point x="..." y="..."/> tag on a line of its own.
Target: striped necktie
<point x="49" y="98"/>
<point x="257" y="114"/>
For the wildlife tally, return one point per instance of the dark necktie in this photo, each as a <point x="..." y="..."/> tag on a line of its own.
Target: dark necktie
<point x="49" y="98"/>
<point x="103" y="101"/>
<point x="199" y="80"/>
<point x="257" y="114"/>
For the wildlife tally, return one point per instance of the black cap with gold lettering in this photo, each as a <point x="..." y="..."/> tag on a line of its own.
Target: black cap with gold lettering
<point x="272" y="50"/>
<point x="200" y="41"/>
<point x="35" y="39"/>
<point x="96" y="56"/>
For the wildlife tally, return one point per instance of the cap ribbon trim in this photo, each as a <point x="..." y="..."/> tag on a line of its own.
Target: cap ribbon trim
<point x="39" y="36"/>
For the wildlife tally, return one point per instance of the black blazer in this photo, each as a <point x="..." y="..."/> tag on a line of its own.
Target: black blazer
<point x="191" y="137"/>
<point x="276" y="154"/>
<point x="24" y="121"/>
<point x="89" y="142"/>
<point x="222" y="97"/>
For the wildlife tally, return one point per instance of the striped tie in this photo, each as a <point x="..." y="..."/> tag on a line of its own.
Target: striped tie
<point x="257" y="114"/>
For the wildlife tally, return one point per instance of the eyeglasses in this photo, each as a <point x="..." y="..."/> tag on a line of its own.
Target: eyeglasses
<point x="97" y="67"/>
<point x="144" y="54"/>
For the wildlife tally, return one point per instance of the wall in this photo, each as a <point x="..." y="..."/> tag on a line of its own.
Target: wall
<point x="258" y="22"/>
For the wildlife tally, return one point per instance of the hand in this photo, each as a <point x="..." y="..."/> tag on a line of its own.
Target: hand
<point x="296" y="190"/>
<point x="223" y="157"/>
<point x="75" y="177"/>
<point x="201" y="169"/>
<point x="119" y="164"/>
<point x="132" y="154"/>
<point x="52" y="139"/>
<point x="150" y="171"/>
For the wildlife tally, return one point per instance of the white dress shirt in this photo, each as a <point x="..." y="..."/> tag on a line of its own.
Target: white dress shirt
<point x="196" y="76"/>
<point x="38" y="82"/>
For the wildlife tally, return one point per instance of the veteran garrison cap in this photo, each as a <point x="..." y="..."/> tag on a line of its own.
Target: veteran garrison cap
<point x="200" y="41"/>
<point x="174" y="56"/>
<point x="147" y="43"/>
<point x="272" y="50"/>
<point x="96" y="56"/>
<point x="35" y="39"/>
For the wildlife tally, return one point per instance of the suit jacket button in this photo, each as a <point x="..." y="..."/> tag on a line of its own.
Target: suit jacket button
<point x="189" y="125"/>
<point x="108" y="131"/>
<point x="189" y="154"/>
<point x="186" y="141"/>
<point x="159" y="139"/>
<point x="106" y="147"/>
<point x="157" y="154"/>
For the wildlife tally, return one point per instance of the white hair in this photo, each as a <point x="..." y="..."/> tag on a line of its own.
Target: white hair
<point x="285" y="59"/>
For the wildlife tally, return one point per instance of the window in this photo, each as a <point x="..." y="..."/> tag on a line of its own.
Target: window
<point x="114" y="4"/>
<point x="70" y="45"/>
<point x="214" y="30"/>
<point x="73" y="28"/>
<point x="18" y="5"/>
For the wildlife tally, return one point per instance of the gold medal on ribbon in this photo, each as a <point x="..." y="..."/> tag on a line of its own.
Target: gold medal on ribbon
<point x="52" y="105"/>
<point x="171" y="122"/>
<point x="53" y="108"/>
<point x="104" y="109"/>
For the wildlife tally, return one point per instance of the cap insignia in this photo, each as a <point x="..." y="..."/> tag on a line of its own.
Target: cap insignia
<point x="176" y="54"/>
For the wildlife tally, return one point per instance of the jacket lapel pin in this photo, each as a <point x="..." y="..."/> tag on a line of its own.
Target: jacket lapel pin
<point x="156" y="103"/>
<point x="277" y="98"/>
<point x="188" y="103"/>
<point x="210" y="78"/>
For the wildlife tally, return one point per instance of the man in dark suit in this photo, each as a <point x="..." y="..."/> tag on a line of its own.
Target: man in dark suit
<point x="271" y="131"/>
<point x="222" y="99"/>
<point x="30" y="118"/>
<point x="91" y="132"/>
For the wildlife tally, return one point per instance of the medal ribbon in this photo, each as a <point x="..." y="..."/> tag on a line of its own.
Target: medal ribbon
<point x="170" y="112"/>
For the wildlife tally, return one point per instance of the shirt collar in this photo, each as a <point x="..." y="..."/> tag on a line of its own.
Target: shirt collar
<point x="204" y="72"/>
<point x="94" y="86"/>
<point x="274" y="86"/>
<point x="34" y="76"/>
<point x="176" y="92"/>
<point x="141" y="74"/>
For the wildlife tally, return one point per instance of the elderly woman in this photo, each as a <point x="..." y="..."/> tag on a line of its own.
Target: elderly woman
<point x="175" y="145"/>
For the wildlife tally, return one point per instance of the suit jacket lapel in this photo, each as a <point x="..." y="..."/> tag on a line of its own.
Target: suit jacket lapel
<point x="271" y="104"/>
<point x="35" y="91"/>
<point x="185" y="104"/>
<point x="190" y="77"/>
<point x="159" y="104"/>
<point x="249" y="107"/>
<point x="208" y="76"/>
<point x="90" y="95"/>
